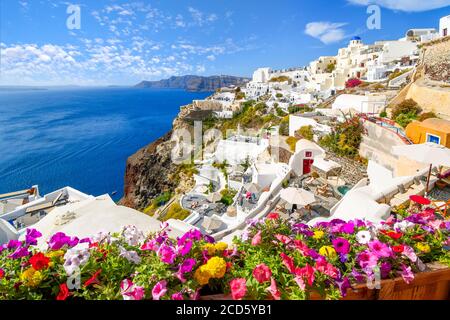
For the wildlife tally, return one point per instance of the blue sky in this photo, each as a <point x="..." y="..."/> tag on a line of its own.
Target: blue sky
<point x="124" y="42"/>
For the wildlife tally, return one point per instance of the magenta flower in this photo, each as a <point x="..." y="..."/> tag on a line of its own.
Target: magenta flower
<point x="341" y="245"/>
<point x="348" y="228"/>
<point x="159" y="290"/>
<point x="130" y="291"/>
<point x="31" y="236"/>
<point x="14" y="244"/>
<point x="177" y="296"/>
<point x="367" y="260"/>
<point x="380" y="249"/>
<point x="152" y="245"/>
<point x="19" y="253"/>
<point x="185" y="248"/>
<point x="59" y="240"/>
<point x="187" y="265"/>
<point x="343" y="285"/>
<point x="385" y="269"/>
<point x="407" y="274"/>
<point x="305" y="273"/>
<point x="166" y="254"/>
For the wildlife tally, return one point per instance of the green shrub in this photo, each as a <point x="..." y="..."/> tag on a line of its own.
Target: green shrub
<point x="279" y="95"/>
<point x="345" y="138"/>
<point x="280" y="112"/>
<point x="406" y="107"/>
<point x="383" y="114"/>
<point x="292" y="142"/>
<point x="176" y="212"/>
<point x="306" y="132"/>
<point x="406" y="118"/>
<point x="228" y="196"/>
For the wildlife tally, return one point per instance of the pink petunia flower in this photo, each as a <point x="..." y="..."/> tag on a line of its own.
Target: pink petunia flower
<point x="273" y="290"/>
<point x="409" y="253"/>
<point x="167" y="254"/>
<point x="130" y="291"/>
<point x="288" y="262"/>
<point x="262" y="273"/>
<point x="380" y="249"/>
<point x="159" y="290"/>
<point x="238" y="288"/>
<point x="407" y="274"/>
<point x="283" y="239"/>
<point x="256" y="241"/>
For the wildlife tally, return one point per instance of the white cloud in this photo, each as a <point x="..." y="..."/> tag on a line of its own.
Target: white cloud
<point x="405" y="5"/>
<point x="327" y="32"/>
<point x="211" y="57"/>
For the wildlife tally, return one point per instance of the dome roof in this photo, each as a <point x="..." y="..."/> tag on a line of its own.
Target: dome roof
<point x="356" y="38"/>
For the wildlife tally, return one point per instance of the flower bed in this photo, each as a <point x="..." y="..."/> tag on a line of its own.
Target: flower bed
<point x="274" y="259"/>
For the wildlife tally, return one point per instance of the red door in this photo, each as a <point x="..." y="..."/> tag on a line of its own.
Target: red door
<point x="307" y="164"/>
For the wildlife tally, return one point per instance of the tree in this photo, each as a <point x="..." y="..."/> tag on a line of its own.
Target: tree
<point x="406" y="107"/>
<point x="246" y="163"/>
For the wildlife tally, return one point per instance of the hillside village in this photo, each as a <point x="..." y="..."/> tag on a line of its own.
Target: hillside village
<point x="314" y="143"/>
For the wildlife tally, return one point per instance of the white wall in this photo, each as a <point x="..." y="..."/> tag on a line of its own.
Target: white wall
<point x="296" y="122"/>
<point x="444" y="23"/>
<point x="364" y="104"/>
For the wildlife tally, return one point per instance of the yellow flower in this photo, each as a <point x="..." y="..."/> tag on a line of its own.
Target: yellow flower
<point x="327" y="251"/>
<point x="424" y="247"/>
<point x="55" y="254"/>
<point x="202" y="276"/>
<point x="31" y="277"/>
<point x="221" y="246"/>
<point x="210" y="248"/>
<point x="216" y="267"/>
<point x="319" y="234"/>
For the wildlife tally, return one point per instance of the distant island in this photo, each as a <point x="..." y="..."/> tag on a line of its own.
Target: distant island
<point x="195" y="83"/>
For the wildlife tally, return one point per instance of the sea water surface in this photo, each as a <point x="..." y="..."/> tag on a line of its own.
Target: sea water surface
<point x="80" y="137"/>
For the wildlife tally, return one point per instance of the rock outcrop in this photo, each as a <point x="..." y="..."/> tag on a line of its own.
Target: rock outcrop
<point x="147" y="173"/>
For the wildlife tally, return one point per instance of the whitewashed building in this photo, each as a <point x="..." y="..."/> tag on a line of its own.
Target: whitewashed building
<point x="444" y="26"/>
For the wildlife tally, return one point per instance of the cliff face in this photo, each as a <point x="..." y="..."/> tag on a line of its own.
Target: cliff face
<point x="194" y="83"/>
<point x="147" y="173"/>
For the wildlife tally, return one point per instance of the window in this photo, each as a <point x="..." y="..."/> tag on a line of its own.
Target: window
<point x="434" y="139"/>
<point x="308" y="154"/>
<point x="445" y="32"/>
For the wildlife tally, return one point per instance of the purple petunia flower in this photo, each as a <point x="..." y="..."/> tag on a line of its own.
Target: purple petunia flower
<point x="14" y="244"/>
<point x="167" y="254"/>
<point x="59" y="240"/>
<point x="344" y="285"/>
<point x="380" y="249"/>
<point x="187" y="265"/>
<point x="341" y="245"/>
<point x="348" y="228"/>
<point x="20" y="253"/>
<point x="31" y="236"/>
<point x="385" y="269"/>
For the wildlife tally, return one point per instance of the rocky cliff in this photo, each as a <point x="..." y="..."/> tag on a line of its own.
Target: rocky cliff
<point x="150" y="171"/>
<point x="194" y="83"/>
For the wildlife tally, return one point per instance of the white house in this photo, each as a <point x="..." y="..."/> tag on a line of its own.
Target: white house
<point x="444" y="26"/>
<point x="296" y="122"/>
<point x="236" y="149"/>
<point x="302" y="161"/>
<point x="261" y="75"/>
<point x="369" y="103"/>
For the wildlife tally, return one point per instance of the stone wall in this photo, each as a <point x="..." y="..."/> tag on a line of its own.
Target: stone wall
<point x="431" y="96"/>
